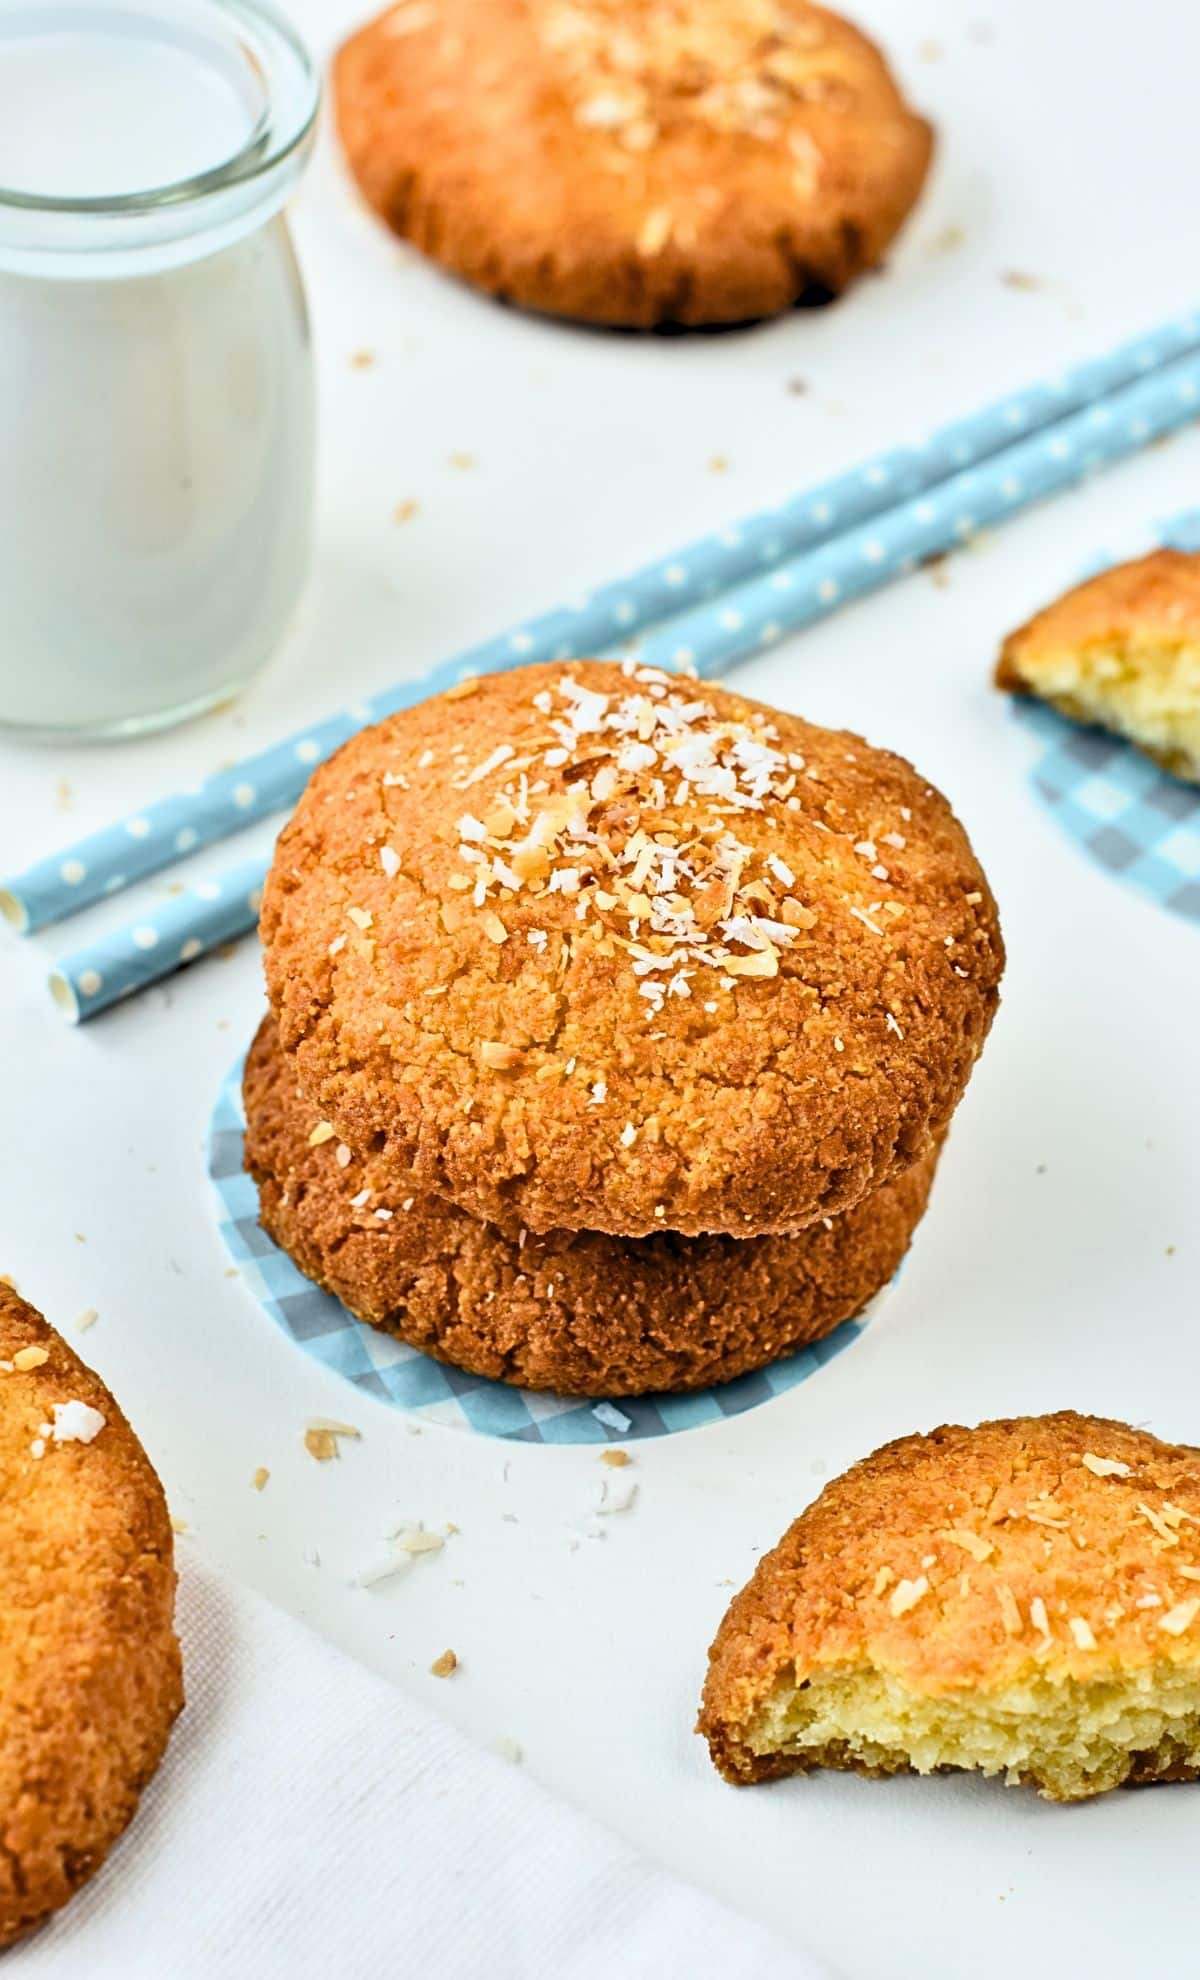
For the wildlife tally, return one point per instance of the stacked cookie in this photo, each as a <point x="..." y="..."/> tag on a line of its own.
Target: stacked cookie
<point x="615" y="1026"/>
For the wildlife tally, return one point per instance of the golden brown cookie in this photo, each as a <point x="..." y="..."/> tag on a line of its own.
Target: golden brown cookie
<point x="588" y="948"/>
<point x="633" y="162"/>
<point x="581" y="1314"/>
<point x="1022" y="1599"/>
<point x="1121" y="651"/>
<point x="89" y="1665"/>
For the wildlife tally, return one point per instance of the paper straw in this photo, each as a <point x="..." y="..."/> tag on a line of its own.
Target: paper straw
<point x="754" y="616"/>
<point x="189" y="925"/>
<point x="107" y="861"/>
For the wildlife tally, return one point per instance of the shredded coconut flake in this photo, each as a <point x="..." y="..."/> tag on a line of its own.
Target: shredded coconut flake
<point x="1181" y="1617"/>
<point x="906" y="1595"/>
<point x="76" y="1423"/>
<point x="1105" y="1467"/>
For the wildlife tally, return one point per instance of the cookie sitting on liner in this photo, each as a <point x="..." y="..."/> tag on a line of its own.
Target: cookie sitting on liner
<point x="1121" y="651"/>
<point x="633" y="162"/>
<point x="588" y="946"/>
<point x="575" y="1312"/>
<point x="1022" y="1599"/>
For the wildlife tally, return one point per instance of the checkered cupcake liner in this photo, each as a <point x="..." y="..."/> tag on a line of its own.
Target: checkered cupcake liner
<point x="432" y="1391"/>
<point x="1133" y="820"/>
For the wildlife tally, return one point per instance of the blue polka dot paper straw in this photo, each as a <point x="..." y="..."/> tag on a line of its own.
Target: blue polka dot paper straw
<point x="745" y="620"/>
<point x="110" y="860"/>
<point x="188" y="926"/>
<point x="755" y="615"/>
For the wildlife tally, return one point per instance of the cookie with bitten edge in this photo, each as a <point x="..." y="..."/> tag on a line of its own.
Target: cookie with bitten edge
<point x="593" y="947"/>
<point x="90" y="1679"/>
<point x="1121" y="651"/>
<point x="630" y="162"/>
<point x="575" y="1312"/>
<point x="1021" y="1599"/>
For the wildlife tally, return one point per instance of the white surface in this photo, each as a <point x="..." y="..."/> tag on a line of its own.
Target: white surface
<point x="379" y="1841"/>
<point x="1042" y="1275"/>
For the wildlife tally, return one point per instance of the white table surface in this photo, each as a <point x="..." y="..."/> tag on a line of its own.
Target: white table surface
<point x="1059" y="1262"/>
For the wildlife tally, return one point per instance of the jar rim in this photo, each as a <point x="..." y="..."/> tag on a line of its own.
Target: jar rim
<point x="262" y="52"/>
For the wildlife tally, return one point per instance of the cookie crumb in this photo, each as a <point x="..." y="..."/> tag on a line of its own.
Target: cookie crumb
<point x="444" y="1666"/>
<point x="260" y="1477"/>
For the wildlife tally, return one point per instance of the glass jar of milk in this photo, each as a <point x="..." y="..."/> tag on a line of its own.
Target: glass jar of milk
<point x="156" y="401"/>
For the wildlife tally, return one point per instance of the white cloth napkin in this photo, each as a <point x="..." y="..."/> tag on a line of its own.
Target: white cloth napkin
<point x="311" y="1820"/>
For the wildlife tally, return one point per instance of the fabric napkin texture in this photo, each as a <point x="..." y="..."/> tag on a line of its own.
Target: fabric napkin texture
<point x="309" y="1819"/>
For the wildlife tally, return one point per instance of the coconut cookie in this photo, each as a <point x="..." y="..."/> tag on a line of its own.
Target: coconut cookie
<point x="633" y="162"/>
<point x="578" y="1313"/>
<point x="1022" y="1599"/>
<point x="89" y="1665"/>
<point x="594" y="947"/>
<point x="1122" y="651"/>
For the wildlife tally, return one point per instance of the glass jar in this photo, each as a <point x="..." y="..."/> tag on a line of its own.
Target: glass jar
<point x="156" y="460"/>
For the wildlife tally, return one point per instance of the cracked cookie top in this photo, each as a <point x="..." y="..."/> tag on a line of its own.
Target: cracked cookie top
<point x="633" y="161"/>
<point x="591" y="946"/>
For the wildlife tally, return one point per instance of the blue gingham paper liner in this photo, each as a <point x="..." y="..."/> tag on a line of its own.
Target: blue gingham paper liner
<point x="409" y="1380"/>
<point x="1130" y="818"/>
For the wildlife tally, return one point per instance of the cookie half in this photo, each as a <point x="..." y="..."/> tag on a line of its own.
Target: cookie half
<point x="633" y="162"/>
<point x="1022" y="1599"/>
<point x="592" y="947"/>
<point x="577" y="1313"/>
<point x="1123" y="652"/>
<point x="89" y="1664"/>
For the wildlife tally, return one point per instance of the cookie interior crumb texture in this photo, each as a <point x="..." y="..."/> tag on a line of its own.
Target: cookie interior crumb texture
<point x="633" y="162"/>
<point x="1022" y="1599"/>
<point x="90" y="1677"/>
<point x="1122" y="652"/>
<point x="600" y="948"/>
<point x="581" y="1314"/>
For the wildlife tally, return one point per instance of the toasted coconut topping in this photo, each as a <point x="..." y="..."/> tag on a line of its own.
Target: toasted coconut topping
<point x="1161" y="1523"/>
<point x="1105" y="1467"/>
<point x="971" y="1543"/>
<point x="676" y="897"/>
<point x="906" y="1595"/>
<point x="1181" y="1617"/>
